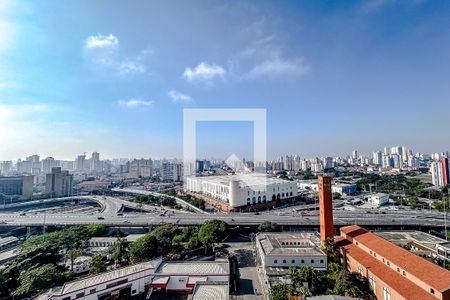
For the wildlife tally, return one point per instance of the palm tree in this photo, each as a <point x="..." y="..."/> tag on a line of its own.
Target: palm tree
<point x="331" y="251"/>
<point x="295" y="276"/>
<point x="72" y="254"/>
<point x="119" y="251"/>
<point x="308" y="274"/>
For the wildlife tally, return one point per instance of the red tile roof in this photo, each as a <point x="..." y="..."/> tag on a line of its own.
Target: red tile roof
<point x="396" y="281"/>
<point x="426" y="271"/>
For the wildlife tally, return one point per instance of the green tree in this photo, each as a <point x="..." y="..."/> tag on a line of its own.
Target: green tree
<point x="119" y="251"/>
<point x="98" y="264"/>
<point x="278" y="292"/>
<point x="37" y="279"/>
<point x="336" y="195"/>
<point x="330" y="250"/>
<point x="295" y="276"/>
<point x="94" y="230"/>
<point x="268" y="226"/>
<point x="143" y="248"/>
<point x="72" y="254"/>
<point x="211" y="232"/>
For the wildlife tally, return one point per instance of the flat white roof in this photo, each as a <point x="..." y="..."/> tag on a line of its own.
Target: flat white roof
<point x="296" y="244"/>
<point x="111" y="275"/>
<point x="245" y="179"/>
<point x="194" y="268"/>
<point x="208" y="291"/>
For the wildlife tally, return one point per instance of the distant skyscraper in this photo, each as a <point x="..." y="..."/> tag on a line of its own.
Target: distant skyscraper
<point x="355" y="154"/>
<point x="80" y="163"/>
<point x="378" y="158"/>
<point x="445" y="173"/>
<point x="95" y="164"/>
<point x="48" y="163"/>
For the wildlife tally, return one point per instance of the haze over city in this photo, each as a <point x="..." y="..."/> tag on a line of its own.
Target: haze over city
<point x="83" y="76"/>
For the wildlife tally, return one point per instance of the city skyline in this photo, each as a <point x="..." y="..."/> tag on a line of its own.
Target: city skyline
<point x="331" y="76"/>
<point x="356" y="154"/>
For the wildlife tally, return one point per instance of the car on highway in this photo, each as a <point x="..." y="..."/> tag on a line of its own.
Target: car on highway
<point x="100" y="218"/>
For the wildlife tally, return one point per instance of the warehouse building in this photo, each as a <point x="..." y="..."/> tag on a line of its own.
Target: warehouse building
<point x="154" y="276"/>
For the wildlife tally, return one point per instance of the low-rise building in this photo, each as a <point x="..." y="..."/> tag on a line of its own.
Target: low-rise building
<point x="151" y="276"/>
<point x="392" y="272"/>
<point x="243" y="191"/>
<point x="81" y="264"/>
<point x="17" y="185"/>
<point x="420" y="243"/>
<point x="277" y="252"/>
<point x="337" y="187"/>
<point x="378" y="199"/>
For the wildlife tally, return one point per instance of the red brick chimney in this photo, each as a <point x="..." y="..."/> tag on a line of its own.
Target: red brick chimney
<point x="326" y="209"/>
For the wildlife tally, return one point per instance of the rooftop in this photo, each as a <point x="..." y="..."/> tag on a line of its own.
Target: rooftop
<point x="407" y="236"/>
<point x="398" y="282"/>
<point x="194" y="268"/>
<point x="253" y="179"/>
<point x="290" y="244"/>
<point x="433" y="275"/>
<point x="107" y="276"/>
<point x="211" y="290"/>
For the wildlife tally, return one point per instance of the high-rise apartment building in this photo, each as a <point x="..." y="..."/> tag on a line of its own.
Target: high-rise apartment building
<point x="141" y="168"/>
<point x="171" y="171"/>
<point x="49" y="163"/>
<point x="95" y="163"/>
<point x="80" y="163"/>
<point x="59" y="183"/>
<point x="378" y="158"/>
<point x="440" y="172"/>
<point x="445" y="169"/>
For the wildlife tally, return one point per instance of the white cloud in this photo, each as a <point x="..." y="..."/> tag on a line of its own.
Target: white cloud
<point x="103" y="51"/>
<point x="204" y="72"/>
<point x="130" y="67"/>
<point x="101" y="41"/>
<point x="279" y="66"/>
<point x="135" y="103"/>
<point x="178" y="96"/>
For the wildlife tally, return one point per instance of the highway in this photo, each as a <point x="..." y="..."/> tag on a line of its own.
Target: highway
<point x="109" y="205"/>
<point x="144" y="192"/>
<point x="394" y="218"/>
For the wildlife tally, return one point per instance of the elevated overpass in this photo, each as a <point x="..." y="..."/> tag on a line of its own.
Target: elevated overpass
<point x="408" y="219"/>
<point x="144" y="192"/>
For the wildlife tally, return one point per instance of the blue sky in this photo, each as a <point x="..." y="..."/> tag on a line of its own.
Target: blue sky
<point x="114" y="77"/>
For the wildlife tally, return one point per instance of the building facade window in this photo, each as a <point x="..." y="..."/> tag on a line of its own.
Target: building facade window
<point x="386" y="294"/>
<point x="360" y="270"/>
<point x="372" y="283"/>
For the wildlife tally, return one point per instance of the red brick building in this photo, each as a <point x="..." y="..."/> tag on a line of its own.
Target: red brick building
<point x="393" y="272"/>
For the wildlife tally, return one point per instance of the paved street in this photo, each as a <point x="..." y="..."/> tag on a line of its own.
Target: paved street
<point x="249" y="283"/>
